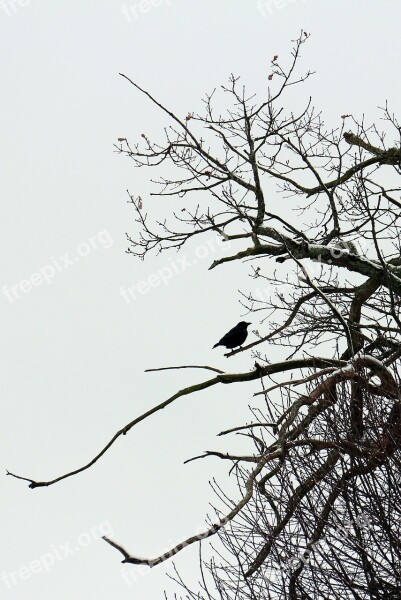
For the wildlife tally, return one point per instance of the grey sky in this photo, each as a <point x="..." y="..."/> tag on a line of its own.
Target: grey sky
<point x="74" y="348"/>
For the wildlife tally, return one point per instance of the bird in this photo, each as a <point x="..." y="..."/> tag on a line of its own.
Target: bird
<point x="235" y="337"/>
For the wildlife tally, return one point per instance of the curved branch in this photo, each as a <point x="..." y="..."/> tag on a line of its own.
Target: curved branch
<point x="323" y="254"/>
<point x="225" y="378"/>
<point x="185" y="367"/>
<point x="194" y="388"/>
<point x="301" y="491"/>
<point x="151" y="562"/>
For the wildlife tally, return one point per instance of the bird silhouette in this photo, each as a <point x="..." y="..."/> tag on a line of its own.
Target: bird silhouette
<point x="235" y="337"/>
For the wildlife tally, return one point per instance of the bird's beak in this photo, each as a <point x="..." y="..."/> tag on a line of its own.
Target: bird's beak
<point x="249" y="323"/>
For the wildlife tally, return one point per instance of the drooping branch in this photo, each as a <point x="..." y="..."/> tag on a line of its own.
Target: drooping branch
<point x="195" y="538"/>
<point x="225" y="378"/>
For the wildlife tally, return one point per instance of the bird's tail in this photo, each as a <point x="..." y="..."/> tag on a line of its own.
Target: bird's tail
<point x="215" y="346"/>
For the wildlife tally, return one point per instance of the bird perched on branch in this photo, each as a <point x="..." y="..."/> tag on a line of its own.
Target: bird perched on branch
<point x="235" y="337"/>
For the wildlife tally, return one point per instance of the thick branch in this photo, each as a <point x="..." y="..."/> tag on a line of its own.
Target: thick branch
<point x="225" y="378"/>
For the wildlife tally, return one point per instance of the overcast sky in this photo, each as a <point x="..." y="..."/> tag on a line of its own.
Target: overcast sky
<point x="75" y="342"/>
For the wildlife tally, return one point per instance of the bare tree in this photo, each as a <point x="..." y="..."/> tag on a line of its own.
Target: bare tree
<point x="318" y="512"/>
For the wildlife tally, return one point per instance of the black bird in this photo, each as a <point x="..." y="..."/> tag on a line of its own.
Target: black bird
<point x="235" y="337"/>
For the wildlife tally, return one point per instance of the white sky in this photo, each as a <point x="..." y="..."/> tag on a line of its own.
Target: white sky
<point x="74" y="351"/>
